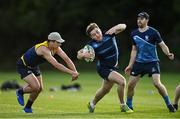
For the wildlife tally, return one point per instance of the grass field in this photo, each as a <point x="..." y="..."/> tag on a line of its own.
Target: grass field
<point x="70" y="104"/>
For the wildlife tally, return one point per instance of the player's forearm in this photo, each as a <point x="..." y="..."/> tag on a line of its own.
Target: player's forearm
<point x="63" y="68"/>
<point x="71" y="65"/>
<point x="165" y="49"/>
<point x="132" y="58"/>
<point x="119" y="28"/>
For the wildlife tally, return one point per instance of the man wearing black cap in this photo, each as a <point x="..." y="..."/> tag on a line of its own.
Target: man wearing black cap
<point x="28" y="68"/>
<point x="144" y="59"/>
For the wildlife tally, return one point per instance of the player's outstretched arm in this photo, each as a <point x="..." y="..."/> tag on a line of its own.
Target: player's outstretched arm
<point x="68" y="61"/>
<point x="166" y="51"/>
<point x="116" y="29"/>
<point x="45" y="52"/>
<point x="132" y="60"/>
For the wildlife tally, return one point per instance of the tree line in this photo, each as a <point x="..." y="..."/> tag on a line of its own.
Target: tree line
<point x="24" y="23"/>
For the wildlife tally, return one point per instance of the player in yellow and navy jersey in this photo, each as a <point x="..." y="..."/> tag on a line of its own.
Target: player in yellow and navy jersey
<point x="28" y="67"/>
<point x="107" y="53"/>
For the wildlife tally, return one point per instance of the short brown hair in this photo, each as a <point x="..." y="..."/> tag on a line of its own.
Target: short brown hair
<point x="90" y="27"/>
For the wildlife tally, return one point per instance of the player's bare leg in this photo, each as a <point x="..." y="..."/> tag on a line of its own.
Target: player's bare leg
<point x="101" y="92"/>
<point x="131" y="90"/>
<point x="162" y="91"/>
<point x="34" y="95"/>
<point x="177" y="97"/>
<point x="33" y="87"/>
<point x="105" y="88"/>
<point x="121" y="82"/>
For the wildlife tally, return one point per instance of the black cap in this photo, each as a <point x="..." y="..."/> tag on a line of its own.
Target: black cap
<point x="143" y="15"/>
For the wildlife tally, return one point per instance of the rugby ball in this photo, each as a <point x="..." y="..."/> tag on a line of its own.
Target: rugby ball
<point x="89" y="49"/>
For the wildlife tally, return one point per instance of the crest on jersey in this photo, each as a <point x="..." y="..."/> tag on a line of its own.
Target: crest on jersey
<point x="147" y="38"/>
<point x="95" y="45"/>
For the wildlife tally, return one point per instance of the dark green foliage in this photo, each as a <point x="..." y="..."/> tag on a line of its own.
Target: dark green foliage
<point x="26" y="22"/>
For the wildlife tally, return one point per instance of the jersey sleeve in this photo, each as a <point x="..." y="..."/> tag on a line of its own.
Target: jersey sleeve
<point x="90" y="43"/>
<point x="158" y="38"/>
<point x="110" y="35"/>
<point x="132" y="40"/>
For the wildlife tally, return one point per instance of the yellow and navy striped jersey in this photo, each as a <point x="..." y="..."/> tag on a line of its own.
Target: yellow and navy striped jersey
<point x="31" y="59"/>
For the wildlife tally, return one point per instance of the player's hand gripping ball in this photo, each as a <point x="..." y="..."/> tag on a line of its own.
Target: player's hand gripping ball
<point x="89" y="49"/>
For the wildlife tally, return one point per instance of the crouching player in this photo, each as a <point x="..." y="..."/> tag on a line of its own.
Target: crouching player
<point x="28" y="67"/>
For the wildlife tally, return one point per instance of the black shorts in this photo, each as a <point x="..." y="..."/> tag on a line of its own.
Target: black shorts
<point x="25" y="71"/>
<point x="104" y="71"/>
<point x="145" y="68"/>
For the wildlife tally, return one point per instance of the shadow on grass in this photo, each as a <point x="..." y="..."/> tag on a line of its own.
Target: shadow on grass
<point x="84" y="115"/>
<point x="63" y="115"/>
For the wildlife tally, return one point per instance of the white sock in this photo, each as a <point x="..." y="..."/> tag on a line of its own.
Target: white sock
<point x="122" y="104"/>
<point x="92" y="104"/>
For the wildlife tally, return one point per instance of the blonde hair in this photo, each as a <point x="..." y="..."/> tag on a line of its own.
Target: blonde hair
<point x="90" y="27"/>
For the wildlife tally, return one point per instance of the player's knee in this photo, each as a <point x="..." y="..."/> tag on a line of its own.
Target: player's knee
<point x="36" y="88"/>
<point x="178" y="88"/>
<point x="121" y="83"/>
<point x="39" y="90"/>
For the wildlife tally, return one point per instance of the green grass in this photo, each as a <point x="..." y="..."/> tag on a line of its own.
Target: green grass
<point x="68" y="104"/>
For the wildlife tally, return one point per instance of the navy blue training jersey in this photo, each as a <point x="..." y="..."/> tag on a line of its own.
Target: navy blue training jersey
<point x="106" y="50"/>
<point x="145" y="43"/>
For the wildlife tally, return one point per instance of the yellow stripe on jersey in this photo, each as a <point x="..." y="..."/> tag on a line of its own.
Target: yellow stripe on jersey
<point x="22" y="58"/>
<point x="45" y="43"/>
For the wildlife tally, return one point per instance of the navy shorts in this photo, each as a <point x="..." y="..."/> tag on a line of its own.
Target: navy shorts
<point x="104" y="71"/>
<point x="25" y="71"/>
<point x="145" y="68"/>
